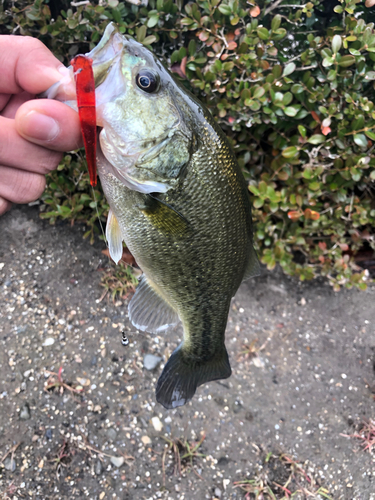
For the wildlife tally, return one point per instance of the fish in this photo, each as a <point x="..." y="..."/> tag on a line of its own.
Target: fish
<point x="179" y="201"/>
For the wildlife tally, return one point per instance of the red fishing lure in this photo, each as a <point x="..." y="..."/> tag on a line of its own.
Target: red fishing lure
<point x="85" y="89"/>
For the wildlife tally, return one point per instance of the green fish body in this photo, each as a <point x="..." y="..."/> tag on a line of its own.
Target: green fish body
<point x="179" y="201"/>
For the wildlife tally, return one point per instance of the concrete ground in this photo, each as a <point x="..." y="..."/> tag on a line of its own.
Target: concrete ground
<point x="302" y="387"/>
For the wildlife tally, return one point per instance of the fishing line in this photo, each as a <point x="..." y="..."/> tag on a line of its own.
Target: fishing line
<point x="98" y="215"/>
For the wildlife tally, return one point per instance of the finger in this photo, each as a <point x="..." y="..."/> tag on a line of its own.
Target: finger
<point x="4" y="98"/>
<point x="26" y="64"/>
<point x="16" y="100"/>
<point x="36" y="121"/>
<point x="16" y="152"/>
<point x="5" y="205"/>
<point x="20" y="186"/>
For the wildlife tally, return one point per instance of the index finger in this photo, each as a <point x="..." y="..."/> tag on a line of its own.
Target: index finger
<point x="26" y="64"/>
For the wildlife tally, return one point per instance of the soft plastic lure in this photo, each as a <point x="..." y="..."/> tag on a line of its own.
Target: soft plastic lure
<point x="85" y="89"/>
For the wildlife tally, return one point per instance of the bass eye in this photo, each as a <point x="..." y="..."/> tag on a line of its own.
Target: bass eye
<point x="147" y="80"/>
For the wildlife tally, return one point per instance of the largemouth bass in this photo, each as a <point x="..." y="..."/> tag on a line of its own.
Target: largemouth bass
<point x="179" y="201"/>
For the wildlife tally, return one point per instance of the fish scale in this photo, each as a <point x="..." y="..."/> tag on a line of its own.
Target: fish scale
<point x="178" y="199"/>
<point x="195" y="273"/>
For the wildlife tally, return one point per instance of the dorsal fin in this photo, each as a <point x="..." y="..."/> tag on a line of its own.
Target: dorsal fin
<point x="148" y="311"/>
<point x="252" y="266"/>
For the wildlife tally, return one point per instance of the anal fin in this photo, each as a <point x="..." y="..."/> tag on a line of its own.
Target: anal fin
<point x="182" y="375"/>
<point x="148" y="311"/>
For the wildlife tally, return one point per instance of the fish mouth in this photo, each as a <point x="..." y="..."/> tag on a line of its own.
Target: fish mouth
<point x="106" y="57"/>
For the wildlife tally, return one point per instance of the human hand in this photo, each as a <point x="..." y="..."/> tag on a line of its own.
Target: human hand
<point x="33" y="133"/>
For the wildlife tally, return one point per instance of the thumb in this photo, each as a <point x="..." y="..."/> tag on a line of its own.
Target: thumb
<point x="50" y="124"/>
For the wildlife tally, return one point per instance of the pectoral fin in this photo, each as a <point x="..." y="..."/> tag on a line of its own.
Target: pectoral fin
<point x="148" y="311"/>
<point x="164" y="217"/>
<point x="114" y="237"/>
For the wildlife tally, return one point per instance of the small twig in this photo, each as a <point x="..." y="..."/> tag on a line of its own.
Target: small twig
<point x="294" y="6"/>
<point x="305" y="32"/>
<point x="362" y="130"/>
<point x="136" y="368"/>
<point x="11" y="451"/>
<point x="306" y="67"/>
<point x="296" y="23"/>
<point x="135" y="2"/>
<point x="351" y="207"/>
<point x="103" y="295"/>
<point x="272" y="7"/>
<point x="288" y="492"/>
<point x="50" y="384"/>
<point x="78" y="4"/>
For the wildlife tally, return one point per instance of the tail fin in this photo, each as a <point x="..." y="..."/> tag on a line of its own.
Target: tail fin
<point x="182" y="375"/>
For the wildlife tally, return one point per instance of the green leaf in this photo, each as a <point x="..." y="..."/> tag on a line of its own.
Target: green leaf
<point x="149" y="40"/>
<point x="276" y="71"/>
<point x="276" y="21"/>
<point x="263" y="33"/>
<point x="314" y="186"/>
<point x="290" y="152"/>
<point x="316" y="139"/>
<point x="328" y="61"/>
<point x="255" y="106"/>
<point x="290" y="111"/>
<point x="332" y="74"/>
<point x="141" y="33"/>
<point x="225" y="9"/>
<point x="262" y="187"/>
<point x="279" y="34"/>
<point x="307" y="173"/>
<point x="153" y="21"/>
<point x="302" y="131"/>
<point x="360" y="140"/>
<point x="258" y="202"/>
<point x="258" y="92"/>
<point x="186" y="21"/>
<point x="254" y="190"/>
<point x="289" y="69"/>
<point x="336" y="43"/>
<point x="346" y="61"/>
<point x="192" y="48"/>
<point x="370" y="135"/>
<point x="274" y="206"/>
<point x="287" y="99"/>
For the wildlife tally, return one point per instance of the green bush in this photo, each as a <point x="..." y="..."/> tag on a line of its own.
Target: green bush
<point x="291" y="85"/>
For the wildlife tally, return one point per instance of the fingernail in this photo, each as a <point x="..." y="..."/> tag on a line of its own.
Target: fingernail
<point x="40" y="127"/>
